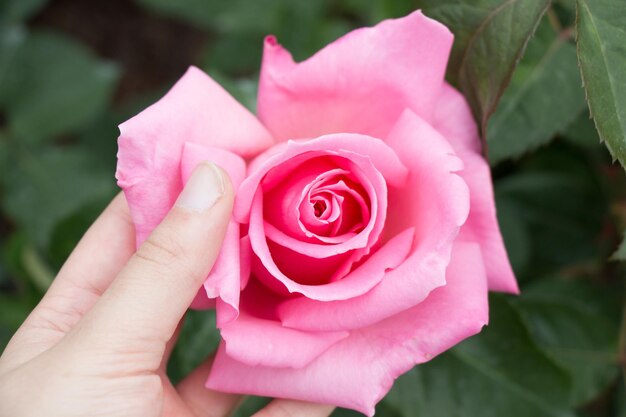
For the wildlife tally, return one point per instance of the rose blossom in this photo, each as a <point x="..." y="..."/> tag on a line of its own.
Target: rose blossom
<point x="364" y="237"/>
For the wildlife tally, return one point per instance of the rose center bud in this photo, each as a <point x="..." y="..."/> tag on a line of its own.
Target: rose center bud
<point x="318" y="202"/>
<point x="332" y="207"/>
<point x="319" y="208"/>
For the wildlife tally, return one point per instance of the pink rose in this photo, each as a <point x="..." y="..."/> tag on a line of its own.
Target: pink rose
<point x="364" y="237"/>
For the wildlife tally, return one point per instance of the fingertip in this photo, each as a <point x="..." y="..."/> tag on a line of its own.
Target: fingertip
<point x="206" y="186"/>
<point x="160" y="281"/>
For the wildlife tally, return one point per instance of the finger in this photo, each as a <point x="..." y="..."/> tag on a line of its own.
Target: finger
<point x="202" y="401"/>
<point x="286" y="408"/>
<point x="171" y="344"/>
<point x="148" y="298"/>
<point x="173" y="405"/>
<point x="99" y="256"/>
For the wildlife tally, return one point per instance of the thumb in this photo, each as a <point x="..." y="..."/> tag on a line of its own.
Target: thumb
<point x="151" y="294"/>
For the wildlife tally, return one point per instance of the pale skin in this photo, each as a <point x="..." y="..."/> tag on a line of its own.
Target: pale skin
<point x="99" y="341"/>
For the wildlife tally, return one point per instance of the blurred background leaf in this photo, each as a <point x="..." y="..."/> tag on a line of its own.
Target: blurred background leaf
<point x="43" y="189"/>
<point x="541" y="201"/>
<point x="577" y="324"/>
<point x="71" y="71"/>
<point x="11" y="39"/>
<point x="18" y="10"/>
<point x="54" y="86"/>
<point x="544" y="93"/>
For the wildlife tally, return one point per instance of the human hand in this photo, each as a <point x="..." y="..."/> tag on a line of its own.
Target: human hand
<point x="99" y="341"/>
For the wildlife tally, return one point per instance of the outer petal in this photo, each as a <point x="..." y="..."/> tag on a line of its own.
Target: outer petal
<point x="255" y="341"/>
<point x="435" y="201"/>
<point x="224" y="279"/>
<point x="360" y="83"/>
<point x="453" y="118"/>
<point x="358" y="371"/>
<point x="196" y="109"/>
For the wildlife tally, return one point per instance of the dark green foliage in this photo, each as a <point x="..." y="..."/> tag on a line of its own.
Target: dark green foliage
<point x="602" y="56"/>
<point x="545" y="93"/>
<point x="490" y="37"/>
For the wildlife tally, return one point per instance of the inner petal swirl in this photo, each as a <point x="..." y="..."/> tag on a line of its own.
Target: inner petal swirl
<point x="316" y="210"/>
<point x="333" y="207"/>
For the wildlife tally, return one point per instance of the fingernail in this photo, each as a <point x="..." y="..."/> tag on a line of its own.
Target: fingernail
<point x="203" y="189"/>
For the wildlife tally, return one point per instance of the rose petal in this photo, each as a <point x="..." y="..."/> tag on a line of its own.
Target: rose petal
<point x="453" y="118"/>
<point x="256" y="341"/>
<point x="359" y="370"/>
<point x="287" y="156"/>
<point x="308" y="272"/>
<point x="375" y="186"/>
<point x="435" y="201"/>
<point x="346" y="209"/>
<point x="482" y="226"/>
<point x="301" y="269"/>
<point x="196" y="109"/>
<point x="224" y="279"/>
<point x="360" y="83"/>
<point x="247" y="255"/>
<point x="283" y="201"/>
<point x="202" y="302"/>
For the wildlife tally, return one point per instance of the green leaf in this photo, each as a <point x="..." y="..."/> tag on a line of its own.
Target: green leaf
<point x="12" y="260"/>
<point x="219" y="54"/>
<point x="383" y="408"/>
<point x="46" y="187"/>
<point x="490" y="38"/>
<point x="344" y="412"/>
<point x="564" y="12"/>
<point x="516" y="234"/>
<point x="13" y="311"/>
<point x="11" y="39"/>
<point x="37" y="269"/>
<point x="56" y="86"/>
<point x="601" y="35"/>
<point x="544" y="97"/>
<point x="250" y="405"/>
<point x="500" y="372"/>
<point x="67" y="233"/>
<point x="544" y="199"/>
<point x="572" y="321"/>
